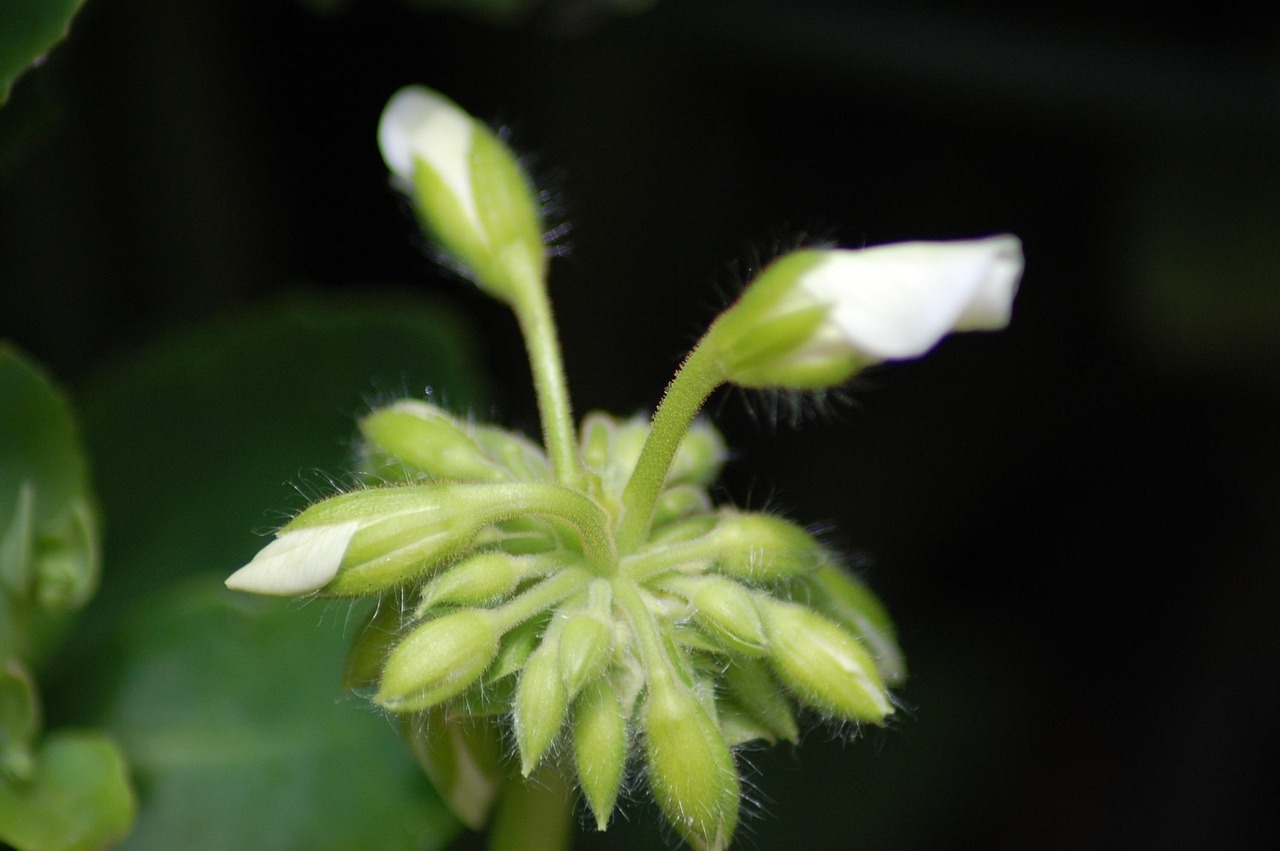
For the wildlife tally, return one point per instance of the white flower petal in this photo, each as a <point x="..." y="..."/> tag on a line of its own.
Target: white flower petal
<point x="897" y="301"/>
<point x="419" y="124"/>
<point x="297" y="562"/>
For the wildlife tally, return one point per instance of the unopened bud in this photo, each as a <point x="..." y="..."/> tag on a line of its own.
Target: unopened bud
<point x="691" y="769"/>
<point x="763" y="548"/>
<point x="541" y="701"/>
<point x="727" y="611"/>
<point x="600" y="747"/>
<point x="425" y="438"/>
<point x="586" y="646"/>
<point x="467" y="187"/>
<point x="823" y="664"/>
<point x="438" y="660"/>
<point x="475" y="581"/>
<point x="852" y="604"/>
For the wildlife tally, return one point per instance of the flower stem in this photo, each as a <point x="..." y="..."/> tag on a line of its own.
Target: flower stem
<point x="537" y="323"/>
<point x="699" y="375"/>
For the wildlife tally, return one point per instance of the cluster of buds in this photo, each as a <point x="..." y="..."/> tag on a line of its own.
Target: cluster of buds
<point x="587" y="600"/>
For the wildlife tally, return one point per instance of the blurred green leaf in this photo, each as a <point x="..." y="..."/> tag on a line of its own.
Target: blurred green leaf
<point x="78" y="799"/>
<point x="48" y="531"/>
<point x="240" y="736"/>
<point x="230" y="707"/>
<point x="28" y="30"/>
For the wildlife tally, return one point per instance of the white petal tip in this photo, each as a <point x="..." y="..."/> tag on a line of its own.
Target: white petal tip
<point x="299" y="561"/>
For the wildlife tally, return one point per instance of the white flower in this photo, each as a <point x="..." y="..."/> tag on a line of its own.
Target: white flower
<point x="299" y="561"/>
<point x="814" y="318"/>
<point x="898" y="301"/>
<point x="419" y="125"/>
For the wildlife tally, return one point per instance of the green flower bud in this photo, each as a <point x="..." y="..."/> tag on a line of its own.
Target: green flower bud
<point x="691" y="769"/>
<point x="468" y="189"/>
<point x="727" y="611"/>
<point x="438" y="660"/>
<point x="822" y="664"/>
<point x="679" y="503"/>
<point x="851" y="603"/>
<point x="765" y="711"/>
<point x="475" y="581"/>
<point x="813" y="318"/>
<point x="523" y="459"/>
<point x="426" y="438"/>
<point x="600" y="747"/>
<point x="610" y="446"/>
<point x="586" y="646"/>
<point x="541" y="702"/>
<point x="763" y="548"/>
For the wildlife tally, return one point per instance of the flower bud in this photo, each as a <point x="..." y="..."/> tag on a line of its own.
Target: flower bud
<point x="467" y="187"/>
<point x="852" y="604"/>
<point x="813" y="318"/>
<point x="678" y="503"/>
<point x="438" y="660"/>
<point x="727" y="611"/>
<point x="426" y="438"/>
<point x="763" y="548"/>
<point x="691" y="769"/>
<point x="600" y="747"/>
<point x="822" y="664"/>
<point x="475" y="581"/>
<point x="541" y="702"/>
<point x="586" y="646"/>
<point x="750" y="688"/>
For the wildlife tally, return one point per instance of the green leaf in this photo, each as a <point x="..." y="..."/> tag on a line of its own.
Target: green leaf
<point x="28" y="30"/>
<point x="78" y="799"/>
<point x="240" y="736"/>
<point x="48" y="526"/>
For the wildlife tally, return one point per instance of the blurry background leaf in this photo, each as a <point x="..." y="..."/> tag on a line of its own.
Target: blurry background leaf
<point x="230" y="708"/>
<point x="239" y="734"/>
<point x="79" y="799"/>
<point x="28" y="30"/>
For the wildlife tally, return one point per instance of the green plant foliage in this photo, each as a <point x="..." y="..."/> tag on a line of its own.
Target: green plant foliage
<point x="239" y="734"/>
<point x="69" y="791"/>
<point x="230" y="710"/>
<point x="77" y="800"/>
<point x="28" y="30"/>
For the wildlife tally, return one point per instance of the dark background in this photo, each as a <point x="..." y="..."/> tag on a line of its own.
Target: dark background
<point x="1074" y="523"/>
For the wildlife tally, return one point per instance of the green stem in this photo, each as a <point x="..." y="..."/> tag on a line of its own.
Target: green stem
<point x="539" y="598"/>
<point x="534" y="814"/>
<point x="537" y="323"/>
<point x="699" y="375"/>
<point x="504" y="501"/>
<point x="653" y="655"/>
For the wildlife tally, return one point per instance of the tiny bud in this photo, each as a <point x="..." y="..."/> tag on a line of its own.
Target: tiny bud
<point x="822" y="664"/>
<point x="679" y="503"/>
<point x="586" y="646"/>
<point x="727" y="612"/>
<point x="540" y="705"/>
<point x="691" y="769"/>
<point x="438" y="660"/>
<point x="763" y="548"/>
<point x="600" y="747"/>
<point x="427" y="439"/>
<point x="752" y="689"/>
<point x="475" y="581"/>
<point x="853" y="605"/>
